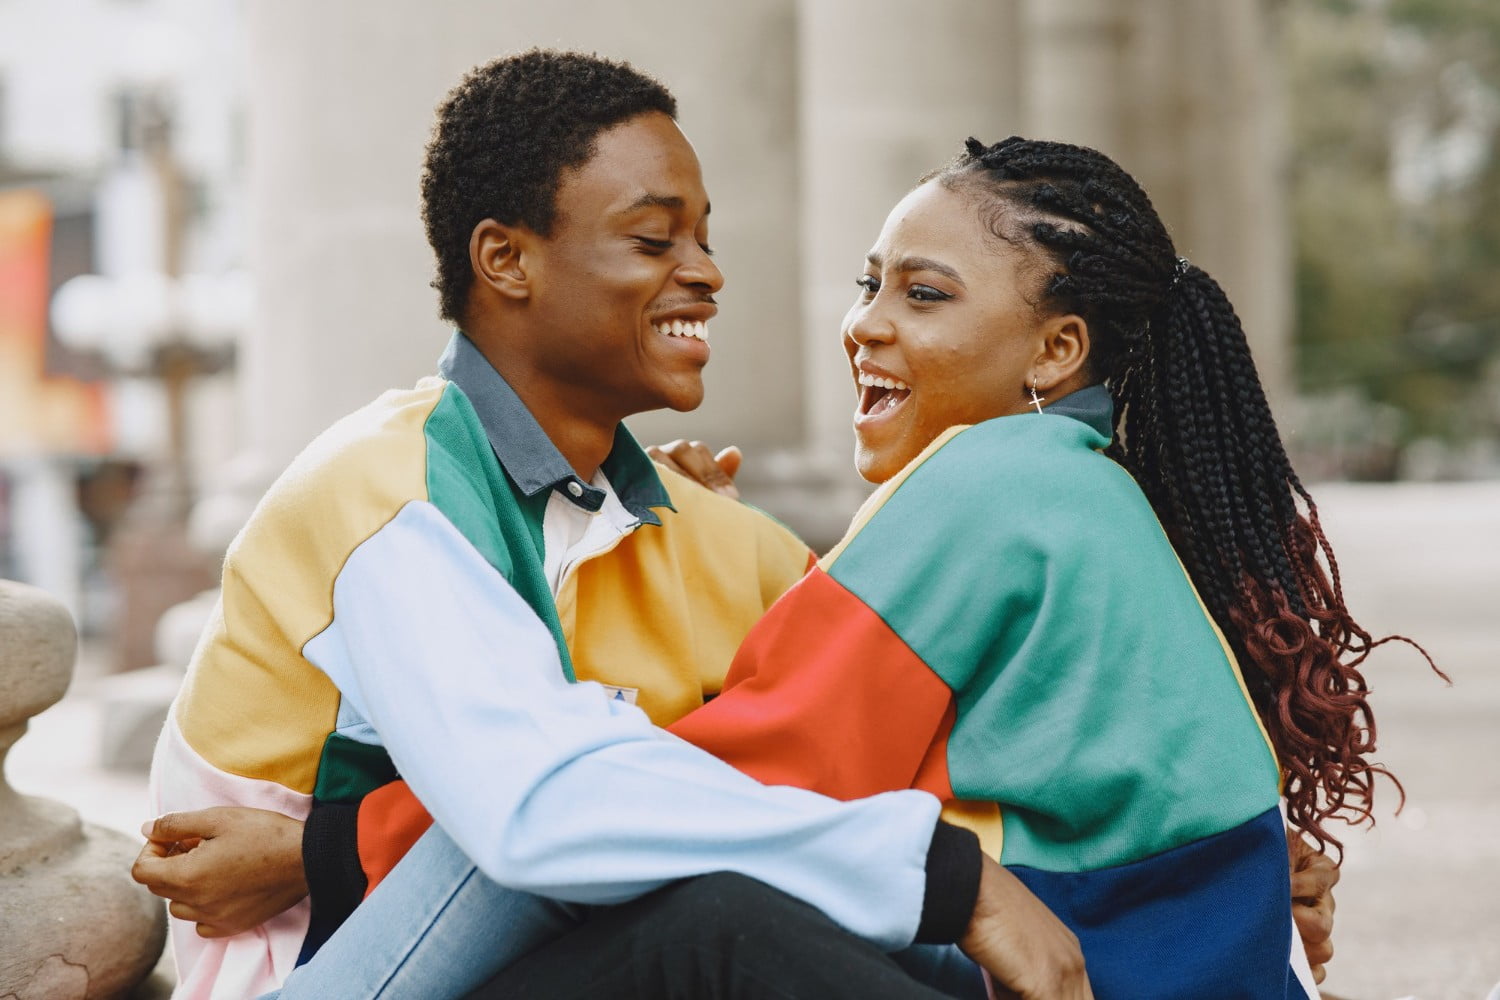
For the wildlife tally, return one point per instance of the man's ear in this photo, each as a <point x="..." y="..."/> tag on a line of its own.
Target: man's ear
<point x="499" y="255"/>
<point x="1065" y="351"/>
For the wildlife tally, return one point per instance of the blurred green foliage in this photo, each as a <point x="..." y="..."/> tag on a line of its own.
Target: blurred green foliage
<point x="1395" y="177"/>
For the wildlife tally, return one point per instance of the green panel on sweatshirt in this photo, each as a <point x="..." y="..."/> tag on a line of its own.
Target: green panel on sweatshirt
<point x="1096" y="703"/>
<point x="501" y="522"/>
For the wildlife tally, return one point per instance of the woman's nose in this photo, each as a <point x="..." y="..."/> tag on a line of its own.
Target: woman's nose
<point x="865" y="323"/>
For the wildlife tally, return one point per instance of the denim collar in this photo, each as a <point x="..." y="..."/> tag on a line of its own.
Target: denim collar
<point x="1092" y="405"/>
<point x="530" y="458"/>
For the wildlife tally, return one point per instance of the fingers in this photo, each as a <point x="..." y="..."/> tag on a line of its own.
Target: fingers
<point x="1315" y="878"/>
<point x="1309" y="886"/>
<point x="662" y="458"/>
<point x="185" y="911"/>
<point x="667" y="463"/>
<point x="729" y="460"/>
<point x="171" y="828"/>
<point x="1314" y="923"/>
<point x="168" y="875"/>
<point x="205" y="923"/>
<point x="1315" y="927"/>
<point x="150" y="871"/>
<point x="158" y="849"/>
<point x="694" y="460"/>
<point x="1320" y="955"/>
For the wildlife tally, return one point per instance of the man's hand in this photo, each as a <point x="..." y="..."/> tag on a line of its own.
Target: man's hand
<point x="1313" y="877"/>
<point x="226" y="869"/>
<point x="694" y="460"/>
<point x="1023" y="948"/>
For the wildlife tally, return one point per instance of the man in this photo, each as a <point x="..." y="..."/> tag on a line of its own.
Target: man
<point x="418" y="590"/>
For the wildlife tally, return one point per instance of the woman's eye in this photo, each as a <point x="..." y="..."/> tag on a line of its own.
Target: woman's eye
<point x="656" y="246"/>
<point x="926" y="293"/>
<point x="706" y="249"/>
<point x="868" y="282"/>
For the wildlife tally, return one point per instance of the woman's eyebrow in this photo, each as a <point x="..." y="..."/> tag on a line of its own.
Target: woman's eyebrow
<point x="917" y="264"/>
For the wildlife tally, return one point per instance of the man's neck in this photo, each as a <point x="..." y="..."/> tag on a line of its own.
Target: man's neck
<point x="581" y="433"/>
<point x="579" y="425"/>
<point x="584" y="439"/>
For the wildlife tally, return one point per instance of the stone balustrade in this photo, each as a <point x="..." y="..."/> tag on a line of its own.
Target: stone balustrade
<point x="73" y="926"/>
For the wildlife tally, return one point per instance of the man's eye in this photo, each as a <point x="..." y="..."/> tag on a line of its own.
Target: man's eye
<point x="706" y="249"/>
<point x="657" y="245"/>
<point x="926" y="293"/>
<point x="868" y="282"/>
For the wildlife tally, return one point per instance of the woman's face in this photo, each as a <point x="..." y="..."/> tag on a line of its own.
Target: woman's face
<point x="945" y="311"/>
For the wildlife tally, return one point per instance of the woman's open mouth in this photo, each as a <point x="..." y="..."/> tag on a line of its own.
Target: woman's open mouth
<point x="879" y="396"/>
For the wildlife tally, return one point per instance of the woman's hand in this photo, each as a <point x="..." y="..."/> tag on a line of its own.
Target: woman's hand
<point x="226" y="869"/>
<point x="1313" y="877"/>
<point x="694" y="460"/>
<point x="1024" y="949"/>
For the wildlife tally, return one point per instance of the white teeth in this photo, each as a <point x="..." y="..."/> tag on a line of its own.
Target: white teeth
<point x="681" y="328"/>
<point x="882" y="383"/>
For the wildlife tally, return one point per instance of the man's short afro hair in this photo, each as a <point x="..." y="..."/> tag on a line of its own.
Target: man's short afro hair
<point x="502" y="140"/>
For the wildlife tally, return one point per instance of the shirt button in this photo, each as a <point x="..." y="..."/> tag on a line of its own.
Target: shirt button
<point x="575" y="489"/>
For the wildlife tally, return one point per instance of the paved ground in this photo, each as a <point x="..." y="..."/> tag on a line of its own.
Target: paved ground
<point x="1419" y="907"/>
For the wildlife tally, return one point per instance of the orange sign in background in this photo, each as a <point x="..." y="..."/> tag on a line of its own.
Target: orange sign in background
<point x="38" y="413"/>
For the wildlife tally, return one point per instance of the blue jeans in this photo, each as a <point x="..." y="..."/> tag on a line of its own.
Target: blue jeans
<point x="437" y="928"/>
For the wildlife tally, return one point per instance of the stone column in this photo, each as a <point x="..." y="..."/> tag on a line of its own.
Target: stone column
<point x="1071" y="60"/>
<point x="884" y="100"/>
<point x="1234" y="142"/>
<point x="75" y="925"/>
<point x="1185" y="97"/>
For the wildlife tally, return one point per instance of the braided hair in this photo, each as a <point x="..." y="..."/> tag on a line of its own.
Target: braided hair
<point x="1193" y="427"/>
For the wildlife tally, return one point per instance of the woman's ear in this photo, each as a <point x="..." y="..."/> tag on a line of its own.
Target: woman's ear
<point x="1065" y="352"/>
<point x="499" y="256"/>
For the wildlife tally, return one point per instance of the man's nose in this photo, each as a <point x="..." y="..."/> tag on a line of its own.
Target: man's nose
<point x="700" y="271"/>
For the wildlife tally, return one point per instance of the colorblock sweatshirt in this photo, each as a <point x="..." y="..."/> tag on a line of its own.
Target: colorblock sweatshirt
<point x="1006" y="626"/>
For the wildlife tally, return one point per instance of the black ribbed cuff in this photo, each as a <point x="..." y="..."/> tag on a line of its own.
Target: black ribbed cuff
<point x="953" y="863"/>
<point x="330" y="857"/>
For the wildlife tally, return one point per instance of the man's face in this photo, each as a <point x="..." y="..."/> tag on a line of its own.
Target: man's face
<point x="623" y="288"/>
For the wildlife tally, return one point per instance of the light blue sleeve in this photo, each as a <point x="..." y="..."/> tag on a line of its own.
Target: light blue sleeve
<point x="555" y="789"/>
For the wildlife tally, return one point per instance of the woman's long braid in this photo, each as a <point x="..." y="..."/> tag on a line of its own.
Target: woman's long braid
<point x="1194" y="429"/>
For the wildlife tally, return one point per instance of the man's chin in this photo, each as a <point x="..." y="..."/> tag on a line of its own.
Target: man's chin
<point x="685" y="398"/>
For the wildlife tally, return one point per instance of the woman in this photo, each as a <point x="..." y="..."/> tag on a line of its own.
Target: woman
<point x="1006" y="624"/>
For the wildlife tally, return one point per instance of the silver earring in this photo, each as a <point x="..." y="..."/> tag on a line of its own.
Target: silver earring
<point x="1036" y="400"/>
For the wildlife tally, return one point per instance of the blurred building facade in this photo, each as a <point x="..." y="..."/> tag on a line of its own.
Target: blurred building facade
<point x="811" y="117"/>
<point x="299" y="130"/>
<point x="120" y="156"/>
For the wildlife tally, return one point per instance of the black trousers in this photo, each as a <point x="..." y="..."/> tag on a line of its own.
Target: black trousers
<point x="721" y="935"/>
